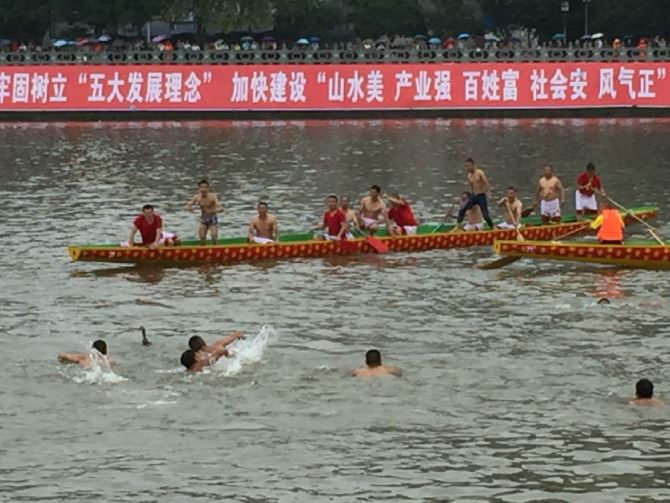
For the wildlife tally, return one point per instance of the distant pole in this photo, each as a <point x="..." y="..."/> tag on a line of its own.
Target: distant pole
<point x="586" y="16"/>
<point x="149" y="32"/>
<point x="565" y="8"/>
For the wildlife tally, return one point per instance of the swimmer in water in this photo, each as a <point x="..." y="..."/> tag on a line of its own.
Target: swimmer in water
<point x="198" y="344"/>
<point x="374" y="368"/>
<point x="97" y="355"/>
<point x="603" y="301"/>
<point x="196" y="361"/>
<point x="644" y="394"/>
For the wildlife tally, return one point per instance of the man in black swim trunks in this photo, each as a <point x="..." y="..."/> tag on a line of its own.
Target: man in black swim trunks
<point x="210" y="206"/>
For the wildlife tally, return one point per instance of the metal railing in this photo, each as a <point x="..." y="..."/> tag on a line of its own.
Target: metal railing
<point x="333" y="56"/>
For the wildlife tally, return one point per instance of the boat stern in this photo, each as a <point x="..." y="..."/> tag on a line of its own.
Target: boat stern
<point x="74" y="252"/>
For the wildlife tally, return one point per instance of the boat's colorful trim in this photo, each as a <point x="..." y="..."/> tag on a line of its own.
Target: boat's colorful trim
<point x="641" y="255"/>
<point x="302" y="245"/>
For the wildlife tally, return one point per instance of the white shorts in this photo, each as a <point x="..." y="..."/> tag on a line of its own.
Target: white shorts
<point x="164" y="237"/>
<point x="583" y="202"/>
<point x="367" y="222"/>
<point x="473" y="227"/>
<point x="551" y="209"/>
<point x="506" y="225"/>
<point x="261" y="241"/>
<point x="328" y="237"/>
<point x="408" y="230"/>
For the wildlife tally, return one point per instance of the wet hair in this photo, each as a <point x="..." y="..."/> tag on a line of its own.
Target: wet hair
<point x="101" y="346"/>
<point x="604" y="300"/>
<point x="373" y="358"/>
<point x="203" y="181"/>
<point x="196" y="343"/>
<point x="511" y="188"/>
<point x="333" y="197"/>
<point x="147" y="207"/>
<point x="590" y="167"/>
<point x="263" y="203"/>
<point x="188" y="358"/>
<point x="470" y="160"/>
<point x="376" y="187"/>
<point x="644" y="388"/>
<point x="549" y="166"/>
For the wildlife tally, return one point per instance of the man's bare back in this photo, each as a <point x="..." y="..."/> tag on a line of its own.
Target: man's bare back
<point x="381" y="370"/>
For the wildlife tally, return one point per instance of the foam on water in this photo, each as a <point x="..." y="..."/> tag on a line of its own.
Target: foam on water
<point x="244" y="352"/>
<point x="99" y="373"/>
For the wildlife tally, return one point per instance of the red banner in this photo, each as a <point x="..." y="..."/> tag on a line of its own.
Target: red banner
<point x="333" y="87"/>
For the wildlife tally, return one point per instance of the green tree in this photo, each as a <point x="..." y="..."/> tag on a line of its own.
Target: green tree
<point x="373" y="18"/>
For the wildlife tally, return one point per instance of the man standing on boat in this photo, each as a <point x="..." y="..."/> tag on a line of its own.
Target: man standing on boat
<point x="263" y="228"/>
<point x="512" y="208"/>
<point x="150" y="226"/>
<point x="479" y="189"/>
<point x="372" y="209"/>
<point x="210" y="206"/>
<point x="550" y="196"/>
<point x="588" y="183"/>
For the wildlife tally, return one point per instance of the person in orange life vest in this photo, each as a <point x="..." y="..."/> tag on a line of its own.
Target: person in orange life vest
<point x="610" y="225"/>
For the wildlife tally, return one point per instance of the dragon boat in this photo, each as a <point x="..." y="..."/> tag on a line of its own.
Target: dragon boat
<point x="428" y="237"/>
<point x="633" y="254"/>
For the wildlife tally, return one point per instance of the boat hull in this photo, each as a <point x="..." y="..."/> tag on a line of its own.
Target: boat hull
<point x="305" y="248"/>
<point x="649" y="255"/>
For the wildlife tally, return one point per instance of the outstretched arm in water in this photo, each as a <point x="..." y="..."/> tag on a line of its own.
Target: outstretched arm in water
<point x="227" y="340"/>
<point x="78" y="358"/>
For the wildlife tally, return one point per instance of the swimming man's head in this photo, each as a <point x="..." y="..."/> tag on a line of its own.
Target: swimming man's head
<point x="196" y="343"/>
<point x="101" y="346"/>
<point x="644" y="389"/>
<point x="373" y="358"/>
<point x="189" y="358"/>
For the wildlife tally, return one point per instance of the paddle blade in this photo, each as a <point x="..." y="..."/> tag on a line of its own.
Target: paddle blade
<point x="497" y="264"/>
<point x="527" y="212"/>
<point x="376" y="244"/>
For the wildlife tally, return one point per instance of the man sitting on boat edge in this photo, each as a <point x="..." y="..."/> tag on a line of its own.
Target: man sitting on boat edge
<point x="150" y="226"/>
<point x="334" y="223"/>
<point x="263" y="228"/>
<point x="373" y="210"/>
<point x="512" y="208"/>
<point x="399" y="216"/>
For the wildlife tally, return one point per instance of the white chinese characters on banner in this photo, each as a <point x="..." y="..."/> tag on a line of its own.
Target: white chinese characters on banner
<point x="635" y="83"/>
<point x="36" y="88"/>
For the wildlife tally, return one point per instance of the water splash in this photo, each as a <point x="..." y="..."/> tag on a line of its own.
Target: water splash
<point x="100" y="372"/>
<point x="245" y="352"/>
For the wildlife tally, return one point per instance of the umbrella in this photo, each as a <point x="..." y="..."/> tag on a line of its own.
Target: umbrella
<point x="247" y="38"/>
<point x="159" y="38"/>
<point x="419" y="37"/>
<point x="268" y="38"/>
<point x="598" y="35"/>
<point x="463" y="36"/>
<point x="61" y="43"/>
<point x="585" y="37"/>
<point x="434" y="40"/>
<point x="302" y="41"/>
<point x="104" y="38"/>
<point x="558" y="36"/>
<point x="314" y="40"/>
<point x="5" y="42"/>
<point x="490" y="37"/>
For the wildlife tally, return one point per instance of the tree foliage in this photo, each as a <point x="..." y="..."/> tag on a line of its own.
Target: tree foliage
<point x="365" y="18"/>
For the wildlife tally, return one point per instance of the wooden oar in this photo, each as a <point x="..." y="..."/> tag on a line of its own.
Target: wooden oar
<point x="651" y="230"/>
<point x="503" y="261"/>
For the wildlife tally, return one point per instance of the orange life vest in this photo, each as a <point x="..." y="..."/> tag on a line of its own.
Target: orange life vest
<point x="611" y="228"/>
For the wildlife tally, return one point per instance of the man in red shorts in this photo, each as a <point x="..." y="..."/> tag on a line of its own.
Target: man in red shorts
<point x="334" y="222"/>
<point x="400" y="217"/>
<point x="150" y="226"/>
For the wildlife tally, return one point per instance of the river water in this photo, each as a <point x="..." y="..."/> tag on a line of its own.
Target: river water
<point x="515" y="384"/>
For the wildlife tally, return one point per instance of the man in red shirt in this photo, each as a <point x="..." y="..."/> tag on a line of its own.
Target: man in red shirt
<point x="587" y="184"/>
<point x="400" y="217"/>
<point x="334" y="222"/>
<point x="150" y="226"/>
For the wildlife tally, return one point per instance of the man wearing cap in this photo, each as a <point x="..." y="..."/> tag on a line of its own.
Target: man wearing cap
<point x="587" y="184"/>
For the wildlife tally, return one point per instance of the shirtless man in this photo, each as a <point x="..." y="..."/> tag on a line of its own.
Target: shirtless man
<point x="512" y="208"/>
<point x="263" y="228"/>
<point x="550" y="196"/>
<point x="210" y="206"/>
<point x="98" y="355"/>
<point x="198" y="344"/>
<point x="196" y="361"/>
<point x="479" y="189"/>
<point x="644" y="394"/>
<point x="374" y="368"/>
<point x="349" y="213"/>
<point x="372" y="209"/>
